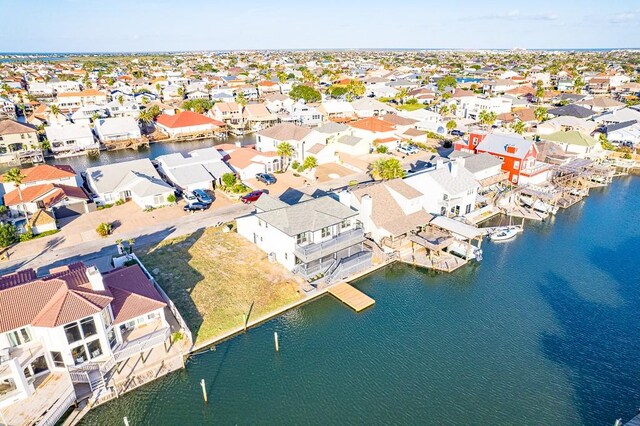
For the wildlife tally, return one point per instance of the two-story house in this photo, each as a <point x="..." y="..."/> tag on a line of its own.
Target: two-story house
<point x="313" y="238"/>
<point x="17" y="139"/>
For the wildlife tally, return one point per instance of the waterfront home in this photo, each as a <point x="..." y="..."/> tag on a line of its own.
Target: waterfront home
<point x="257" y="117"/>
<point x="518" y="155"/>
<point x="128" y="108"/>
<point x="334" y="110"/>
<point x="388" y="210"/>
<point x="602" y="104"/>
<point x="449" y="189"/>
<point x="62" y="334"/>
<point x="58" y="199"/>
<point x="305" y="115"/>
<point x="575" y="142"/>
<point x="624" y="133"/>
<point x="247" y="162"/>
<point x="300" y="138"/>
<point x="17" y="140"/>
<point x="618" y="116"/>
<point x="199" y="169"/>
<point x="71" y="138"/>
<point x="230" y="113"/>
<point x="369" y="107"/>
<point x="113" y="130"/>
<point x="41" y="174"/>
<point x="87" y="114"/>
<point x="187" y="124"/>
<point x="485" y="168"/>
<point x="7" y="109"/>
<point x="318" y="237"/>
<point x="71" y="101"/>
<point x="135" y="180"/>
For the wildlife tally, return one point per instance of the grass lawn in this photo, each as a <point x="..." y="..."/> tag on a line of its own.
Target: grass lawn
<point x="411" y="107"/>
<point x="214" y="277"/>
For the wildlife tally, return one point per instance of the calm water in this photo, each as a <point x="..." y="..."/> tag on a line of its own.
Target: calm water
<point x="543" y="331"/>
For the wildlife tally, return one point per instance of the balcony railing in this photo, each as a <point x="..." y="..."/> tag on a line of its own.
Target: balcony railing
<point x="315" y="251"/>
<point x="141" y="344"/>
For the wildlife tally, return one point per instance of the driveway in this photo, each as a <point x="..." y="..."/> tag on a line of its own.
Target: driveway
<point x="284" y="181"/>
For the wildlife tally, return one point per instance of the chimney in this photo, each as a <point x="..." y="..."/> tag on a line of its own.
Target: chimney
<point x="345" y="198"/>
<point x="95" y="278"/>
<point x="461" y="161"/>
<point x="366" y="205"/>
<point x="454" y="168"/>
<point x="511" y="149"/>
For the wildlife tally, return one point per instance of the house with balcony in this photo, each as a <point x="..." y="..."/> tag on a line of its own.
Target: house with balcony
<point x="71" y="138"/>
<point x="315" y="238"/>
<point x="67" y="336"/>
<point x="18" y="140"/>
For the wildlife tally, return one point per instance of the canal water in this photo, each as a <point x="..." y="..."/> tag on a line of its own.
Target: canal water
<point x="543" y="331"/>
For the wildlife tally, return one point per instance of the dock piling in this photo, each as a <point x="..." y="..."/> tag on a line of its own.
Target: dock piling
<point x="275" y="338"/>
<point x="204" y="390"/>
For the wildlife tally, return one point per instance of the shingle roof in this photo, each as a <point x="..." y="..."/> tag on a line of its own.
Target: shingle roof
<point x="12" y="127"/>
<point x="572" y="110"/>
<point x="572" y="137"/>
<point x="285" y="132"/>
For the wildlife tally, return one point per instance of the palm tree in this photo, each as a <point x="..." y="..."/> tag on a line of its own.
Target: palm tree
<point x="444" y="110"/>
<point x="121" y="100"/>
<point x="487" y="118"/>
<point x="540" y="113"/>
<point x="16" y="177"/>
<point x="451" y="125"/>
<point x="454" y="109"/>
<point x="540" y="94"/>
<point x="285" y="151"/>
<point x="518" y="127"/>
<point x="95" y="116"/>
<point x="384" y="169"/>
<point x="55" y="109"/>
<point x="131" y="242"/>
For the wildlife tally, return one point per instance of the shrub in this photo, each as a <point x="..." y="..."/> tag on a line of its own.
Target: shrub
<point x="8" y="234"/>
<point x="239" y="188"/>
<point x="119" y="202"/>
<point x="171" y="198"/>
<point x="382" y="149"/>
<point x="295" y="165"/>
<point x="104" y="229"/>
<point x="228" y="180"/>
<point x="627" y="156"/>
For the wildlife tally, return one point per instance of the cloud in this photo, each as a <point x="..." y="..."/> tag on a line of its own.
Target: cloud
<point x="625" y="18"/>
<point x="514" y="15"/>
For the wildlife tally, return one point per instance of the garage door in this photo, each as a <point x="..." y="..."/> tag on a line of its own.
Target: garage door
<point x="73" y="209"/>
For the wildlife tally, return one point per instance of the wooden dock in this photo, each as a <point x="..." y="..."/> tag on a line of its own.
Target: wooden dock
<point x="351" y="296"/>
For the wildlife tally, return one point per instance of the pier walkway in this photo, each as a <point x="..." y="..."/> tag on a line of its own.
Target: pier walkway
<point x="351" y="296"/>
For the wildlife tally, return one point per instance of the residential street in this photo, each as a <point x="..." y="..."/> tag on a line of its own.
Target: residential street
<point x="54" y="251"/>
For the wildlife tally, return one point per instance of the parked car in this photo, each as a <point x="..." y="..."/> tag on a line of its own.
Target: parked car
<point x="202" y="196"/>
<point x="457" y="132"/>
<point x="266" y="178"/>
<point x="196" y="206"/>
<point x="251" y="197"/>
<point x="189" y="197"/>
<point x="407" y="149"/>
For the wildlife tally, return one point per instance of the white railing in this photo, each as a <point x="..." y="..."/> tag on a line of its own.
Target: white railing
<point x="56" y="412"/>
<point x="142" y="344"/>
<point x="317" y="250"/>
<point x="80" y="376"/>
<point x="351" y="265"/>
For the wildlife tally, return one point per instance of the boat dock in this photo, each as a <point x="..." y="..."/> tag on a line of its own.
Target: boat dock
<point x="351" y="296"/>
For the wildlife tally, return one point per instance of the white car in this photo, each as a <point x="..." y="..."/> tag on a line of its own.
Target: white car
<point x="407" y="149"/>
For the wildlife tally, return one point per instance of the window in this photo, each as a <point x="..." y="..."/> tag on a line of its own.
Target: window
<point x="158" y="199"/>
<point x="106" y="317"/>
<point x="516" y="165"/>
<point x="468" y="209"/>
<point x="443" y="211"/>
<point x="73" y="332"/>
<point x="301" y="238"/>
<point x="95" y="350"/>
<point x="514" y="179"/>
<point x="19" y="337"/>
<point x="325" y="232"/>
<point x="79" y="354"/>
<point x="57" y="359"/>
<point x="111" y="337"/>
<point x="445" y="197"/>
<point x="88" y="327"/>
<point x="345" y="224"/>
<point x="475" y="141"/>
<point x="39" y="365"/>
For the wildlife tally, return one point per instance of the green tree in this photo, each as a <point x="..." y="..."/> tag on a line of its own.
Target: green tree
<point x="540" y="94"/>
<point x="307" y="93"/>
<point x="229" y="180"/>
<point x="16" y="177"/>
<point x="337" y="91"/>
<point x="55" y="109"/>
<point x="518" y="127"/>
<point x="310" y="163"/>
<point x="604" y="142"/>
<point x="451" y="125"/>
<point x="578" y="84"/>
<point x="8" y="234"/>
<point x="285" y="151"/>
<point x="487" y="118"/>
<point x="121" y="100"/>
<point x="447" y="81"/>
<point x="104" y="229"/>
<point x="355" y="88"/>
<point x="171" y="198"/>
<point x="389" y="168"/>
<point x="540" y="113"/>
<point x="198" y="105"/>
<point x="240" y="99"/>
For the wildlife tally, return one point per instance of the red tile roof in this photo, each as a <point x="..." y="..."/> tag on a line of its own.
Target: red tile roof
<point x="186" y="119"/>
<point x="133" y="294"/>
<point x="373" y="124"/>
<point x="50" y="194"/>
<point x="46" y="172"/>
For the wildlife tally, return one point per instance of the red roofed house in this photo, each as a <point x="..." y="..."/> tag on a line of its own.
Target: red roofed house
<point x="188" y="123"/>
<point x="63" y="334"/>
<point x="53" y="189"/>
<point x="268" y="87"/>
<point x="518" y="155"/>
<point x="373" y="129"/>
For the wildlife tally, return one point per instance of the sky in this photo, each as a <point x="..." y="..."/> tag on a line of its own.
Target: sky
<point x="196" y="25"/>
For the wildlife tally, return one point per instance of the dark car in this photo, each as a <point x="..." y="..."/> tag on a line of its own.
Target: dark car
<point x="266" y="178"/>
<point x="457" y="132"/>
<point x="251" y="197"/>
<point x="194" y="207"/>
<point x="202" y="196"/>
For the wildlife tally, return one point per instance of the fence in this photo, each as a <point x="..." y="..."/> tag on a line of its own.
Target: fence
<point x="56" y="412"/>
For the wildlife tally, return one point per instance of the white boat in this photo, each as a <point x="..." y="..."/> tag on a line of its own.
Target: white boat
<point x="505" y="233"/>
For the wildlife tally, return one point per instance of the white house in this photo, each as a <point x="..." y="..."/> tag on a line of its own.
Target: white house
<point x="316" y="237"/>
<point x="199" y="169"/>
<point x="300" y="138"/>
<point x="449" y="189"/>
<point x="69" y="328"/>
<point x="117" y="129"/>
<point x="135" y="180"/>
<point x="71" y="138"/>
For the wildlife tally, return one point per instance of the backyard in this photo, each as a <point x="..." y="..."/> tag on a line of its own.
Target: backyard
<point x="215" y="277"/>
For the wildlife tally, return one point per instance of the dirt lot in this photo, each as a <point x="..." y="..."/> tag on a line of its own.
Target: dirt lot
<point x="214" y="278"/>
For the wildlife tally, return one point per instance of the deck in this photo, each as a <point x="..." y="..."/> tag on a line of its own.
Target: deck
<point x="351" y="296"/>
<point x="444" y="262"/>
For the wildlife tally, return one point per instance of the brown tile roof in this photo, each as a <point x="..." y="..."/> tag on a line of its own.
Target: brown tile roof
<point x="41" y="217"/>
<point x="133" y="294"/>
<point x="46" y="172"/>
<point x="373" y="124"/>
<point x="12" y="127"/>
<point x="87" y="92"/>
<point x="398" y="120"/>
<point x="285" y="132"/>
